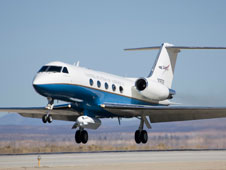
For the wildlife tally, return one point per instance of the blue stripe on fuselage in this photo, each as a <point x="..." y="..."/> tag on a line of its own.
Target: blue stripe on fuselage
<point x="91" y="97"/>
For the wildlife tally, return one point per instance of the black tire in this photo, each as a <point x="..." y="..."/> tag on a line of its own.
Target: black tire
<point x="84" y="136"/>
<point x="44" y="118"/>
<point x="78" y="136"/>
<point x="137" y="137"/>
<point x="50" y="119"/>
<point x="144" y="136"/>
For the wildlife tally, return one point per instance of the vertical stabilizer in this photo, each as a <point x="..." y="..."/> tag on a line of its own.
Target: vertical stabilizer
<point x="163" y="69"/>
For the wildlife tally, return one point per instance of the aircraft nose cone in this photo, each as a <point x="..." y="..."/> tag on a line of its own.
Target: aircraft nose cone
<point x="41" y="89"/>
<point x="36" y="87"/>
<point x="38" y="84"/>
<point x="39" y="79"/>
<point x="35" y="82"/>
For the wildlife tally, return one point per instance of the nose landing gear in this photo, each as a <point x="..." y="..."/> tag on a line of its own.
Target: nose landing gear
<point x="48" y="117"/>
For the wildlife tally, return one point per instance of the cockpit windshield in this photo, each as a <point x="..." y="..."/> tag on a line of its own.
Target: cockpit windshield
<point x="43" y="69"/>
<point x="55" y="69"/>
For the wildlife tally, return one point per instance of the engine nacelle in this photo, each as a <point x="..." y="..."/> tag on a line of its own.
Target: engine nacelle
<point x="88" y="122"/>
<point x="153" y="90"/>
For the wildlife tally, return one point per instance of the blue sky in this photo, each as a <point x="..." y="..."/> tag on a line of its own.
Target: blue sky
<point x="33" y="33"/>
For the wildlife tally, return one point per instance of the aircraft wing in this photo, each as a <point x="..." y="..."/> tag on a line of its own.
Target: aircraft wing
<point x="165" y="113"/>
<point x="155" y="113"/>
<point x="59" y="112"/>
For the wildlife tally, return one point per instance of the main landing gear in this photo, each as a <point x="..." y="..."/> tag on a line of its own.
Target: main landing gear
<point x="81" y="136"/>
<point x="82" y="122"/>
<point x="48" y="117"/>
<point x="141" y="136"/>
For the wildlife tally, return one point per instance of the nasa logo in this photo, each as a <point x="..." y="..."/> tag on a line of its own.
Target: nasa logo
<point x="166" y="68"/>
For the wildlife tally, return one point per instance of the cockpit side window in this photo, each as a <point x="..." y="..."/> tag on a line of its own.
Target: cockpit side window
<point x="43" y="69"/>
<point x="65" y="70"/>
<point x="54" y="69"/>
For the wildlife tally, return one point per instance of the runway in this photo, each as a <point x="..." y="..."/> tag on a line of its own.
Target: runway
<point x="119" y="160"/>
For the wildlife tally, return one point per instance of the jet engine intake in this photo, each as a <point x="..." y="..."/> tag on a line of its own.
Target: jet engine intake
<point x="153" y="90"/>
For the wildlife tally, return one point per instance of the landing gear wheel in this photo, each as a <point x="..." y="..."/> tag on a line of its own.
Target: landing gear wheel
<point x="84" y="136"/>
<point x="47" y="118"/>
<point x="144" y="136"/>
<point x="78" y="136"/>
<point x="137" y="137"/>
<point x="141" y="136"/>
<point x="50" y="119"/>
<point x="44" y="118"/>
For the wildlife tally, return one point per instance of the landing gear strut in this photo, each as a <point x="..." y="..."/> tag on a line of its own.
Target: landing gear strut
<point x="81" y="136"/>
<point x="141" y="136"/>
<point x="48" y="117"/>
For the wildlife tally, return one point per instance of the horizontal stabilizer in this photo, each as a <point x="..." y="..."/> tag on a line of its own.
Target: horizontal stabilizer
<point x="176" y="47"/>
<point x="143" y="48"/>
<point x="164" y="66"/>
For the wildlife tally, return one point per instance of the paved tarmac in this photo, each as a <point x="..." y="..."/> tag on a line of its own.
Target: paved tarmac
<point x="119" y="160"/>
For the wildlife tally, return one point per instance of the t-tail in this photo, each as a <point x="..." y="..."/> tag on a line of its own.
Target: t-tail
<point x="164" y="66"/>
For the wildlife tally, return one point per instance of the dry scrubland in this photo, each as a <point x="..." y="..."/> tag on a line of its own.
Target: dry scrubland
<point x="39" y="139"/>
<point x="158" y="141"/>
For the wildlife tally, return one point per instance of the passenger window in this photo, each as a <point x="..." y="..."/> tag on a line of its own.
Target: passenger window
<point x="98" y="84"/>
<point x="106" y="86"/>
<point x="91" y="82"/>
<point x="113" y="87"/>
<point x="121" y="89"/>
<point x="65" y="70"/>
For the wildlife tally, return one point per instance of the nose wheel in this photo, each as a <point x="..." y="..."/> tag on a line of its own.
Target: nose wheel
<point x="81" y="136"/>
<point x="48" y="117"/>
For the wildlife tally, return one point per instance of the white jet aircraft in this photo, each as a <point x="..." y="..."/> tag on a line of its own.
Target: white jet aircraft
<point x="93" y="95"/>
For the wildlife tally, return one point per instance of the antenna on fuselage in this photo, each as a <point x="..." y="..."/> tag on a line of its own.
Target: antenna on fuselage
<point x="77" y="63"/>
